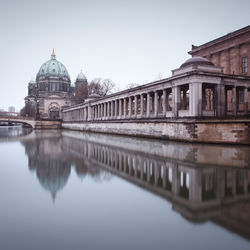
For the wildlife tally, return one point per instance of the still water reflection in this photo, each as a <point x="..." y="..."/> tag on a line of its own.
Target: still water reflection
<point x="92" y="191"/>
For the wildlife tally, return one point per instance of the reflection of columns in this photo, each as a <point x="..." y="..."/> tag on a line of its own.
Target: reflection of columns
<point x="156" y="100"/>
<point x="175" y="179"/>
<point x="125" y="107"/>
<point x="245" y="100"/>
<point x="148" y="104"/>
<point x="119" y="161"/>
<point x="156" y="172"/>
<point x="136" y="165"/>
<point x="130" y="164"/>
<point x="234" y="102"/>
<point x="135" y="106"/>
<point x="142" y="168"/>
<point x="164" y="102"/>
<point x="142" y="106"/>
<point x="164" y="177"/>
<point x="148" y="171"/>
<point x="233" y="182"/>
<point x="116" y="160"/>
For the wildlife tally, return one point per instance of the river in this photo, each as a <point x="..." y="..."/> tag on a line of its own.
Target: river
<point x="74" y="190"/>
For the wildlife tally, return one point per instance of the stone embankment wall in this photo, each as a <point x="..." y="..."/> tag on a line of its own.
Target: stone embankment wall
<point x="47" y="124"/>
<point x="209" y="131"/>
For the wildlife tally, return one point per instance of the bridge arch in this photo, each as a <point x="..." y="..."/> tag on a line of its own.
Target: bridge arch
<point x="19" y="119"/>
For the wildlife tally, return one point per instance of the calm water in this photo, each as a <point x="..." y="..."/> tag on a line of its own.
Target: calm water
<point x="72" y="190"/>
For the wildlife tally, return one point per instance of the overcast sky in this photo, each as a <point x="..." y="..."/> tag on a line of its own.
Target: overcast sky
<point x="129" y="41"/>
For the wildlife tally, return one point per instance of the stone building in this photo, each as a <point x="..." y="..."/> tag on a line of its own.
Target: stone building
<point x="231" y="52"/>
<point x="52" y="89"/>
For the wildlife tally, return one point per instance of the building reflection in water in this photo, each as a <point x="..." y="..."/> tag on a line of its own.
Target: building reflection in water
<point x="7" y="132"/>
<point x="52" y="162"/>
<point x="203" y="182"/>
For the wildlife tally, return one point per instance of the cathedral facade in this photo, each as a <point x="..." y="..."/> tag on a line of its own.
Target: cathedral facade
<point x="52" y="90"/>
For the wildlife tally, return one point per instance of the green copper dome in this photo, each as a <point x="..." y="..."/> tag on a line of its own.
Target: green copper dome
<point x="53" y="68"/>
<point x="81" y="76"/>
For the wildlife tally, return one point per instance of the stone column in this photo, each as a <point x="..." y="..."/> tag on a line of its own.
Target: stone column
<point x="120" y="108"/>
<point x="130" y="106"/>
<point x="234" y="101"/>
<point x="142" y="104"/>
<point x="135" y="107"/>
<point x="105" y="110"/>
<point x="245" y="100"/>
<point x="164" y="102"/>
<point x="111" y="109"/>
<point x="176" y="100"/>
<point x="125" y="107"/>
<point x="195" y="99"/>
<point x="156" y="103"/>
<point x="116" y="109"/>
<point x="102" y="110"/>
<point x="89" y="113"/>
<point x="148" y="104"/>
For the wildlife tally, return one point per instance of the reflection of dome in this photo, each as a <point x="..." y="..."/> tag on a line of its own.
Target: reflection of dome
<point x="53" y="68"/>
<point x="81" y="76"/>
<point x="196" y="60"/>
<point x="53" y="175"/>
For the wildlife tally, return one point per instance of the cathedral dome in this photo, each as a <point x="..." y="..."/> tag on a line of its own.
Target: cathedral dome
<point x="53" y="68"/>
<point x="81" y="76"/>
<point x="197" y="60"/>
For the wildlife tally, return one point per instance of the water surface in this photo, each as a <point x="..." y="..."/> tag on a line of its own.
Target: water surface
<point x="72" y="190"/>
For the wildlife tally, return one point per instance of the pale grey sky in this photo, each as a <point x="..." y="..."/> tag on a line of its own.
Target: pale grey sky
<point x="128" y="41"/>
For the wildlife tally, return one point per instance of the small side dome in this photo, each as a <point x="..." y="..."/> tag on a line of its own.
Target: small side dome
<point x="32" y="82"/>
<point x="94" y="95"/>
<point x="81" y="76"/>
<point x="197" y="60"/>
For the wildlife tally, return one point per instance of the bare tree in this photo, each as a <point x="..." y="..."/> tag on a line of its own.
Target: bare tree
<point x="28" y="110"/>
<point x="101" y="86"/>
<point x="132" y="85"/>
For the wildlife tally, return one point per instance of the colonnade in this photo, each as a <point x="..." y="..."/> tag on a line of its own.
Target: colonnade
<point x="185" y="100"/>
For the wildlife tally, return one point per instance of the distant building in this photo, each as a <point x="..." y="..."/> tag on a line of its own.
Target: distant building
<point x="231" y="52"/>
<point x="52" y="89"/>
<point x="11" y="109"/>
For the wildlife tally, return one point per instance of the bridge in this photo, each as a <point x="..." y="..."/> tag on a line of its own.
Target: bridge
<point x="32" y="122"/>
